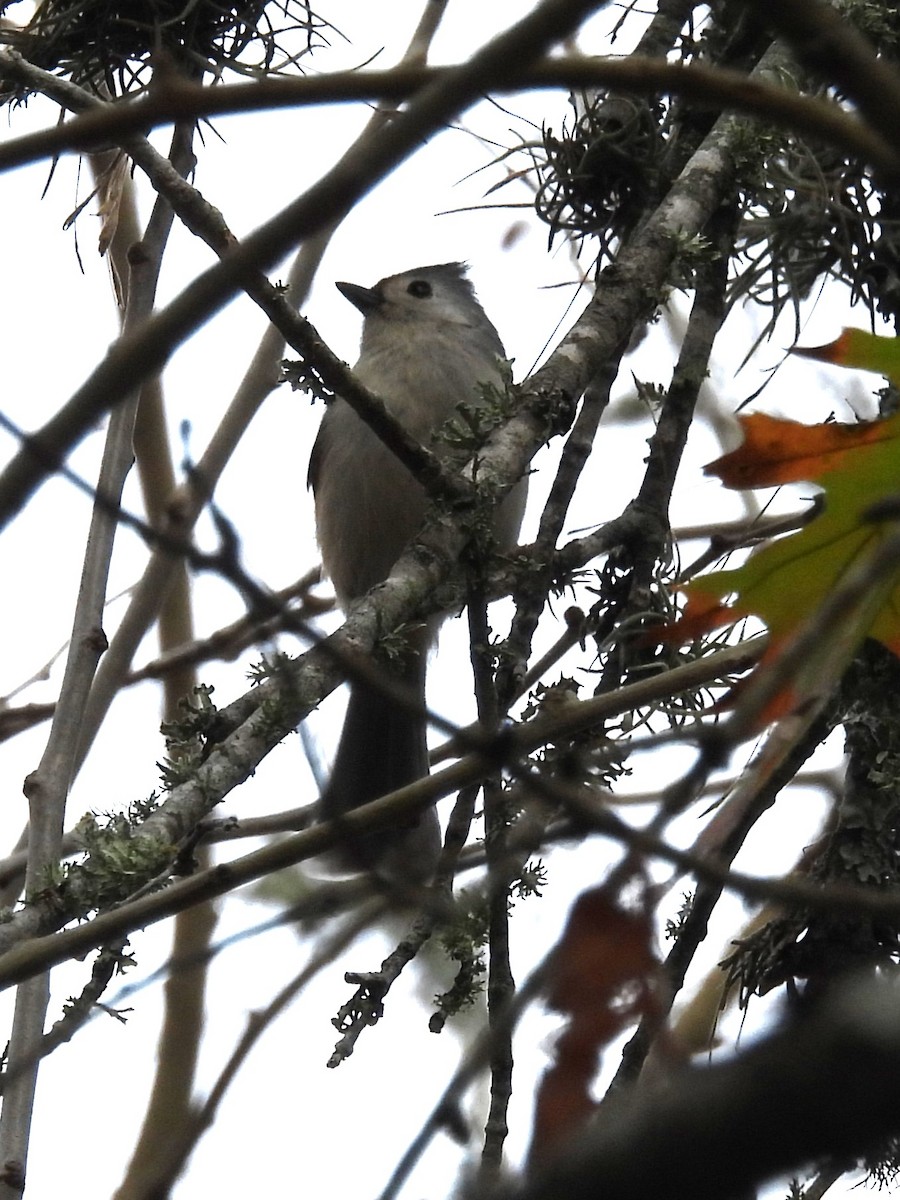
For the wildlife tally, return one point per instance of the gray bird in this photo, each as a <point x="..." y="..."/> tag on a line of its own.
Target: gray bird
<point x="426" y="344"/>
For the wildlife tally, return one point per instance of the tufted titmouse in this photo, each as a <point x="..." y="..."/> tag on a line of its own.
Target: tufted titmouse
<point x="426" y="344"/>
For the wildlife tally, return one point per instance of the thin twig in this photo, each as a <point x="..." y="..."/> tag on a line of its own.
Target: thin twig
<point x="174" y="1158"/>
<point x="47" y="788"/>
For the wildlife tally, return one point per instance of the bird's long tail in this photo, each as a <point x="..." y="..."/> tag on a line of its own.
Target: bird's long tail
<point x="382" y="748"/>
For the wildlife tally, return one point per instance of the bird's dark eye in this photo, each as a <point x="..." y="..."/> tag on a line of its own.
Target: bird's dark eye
<point x="420" y="288"/>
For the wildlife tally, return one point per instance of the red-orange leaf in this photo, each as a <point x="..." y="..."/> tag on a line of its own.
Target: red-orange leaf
<point x="600" y="979"/>
<point x="861" y="349"/>
<point x="776" y="451"/>
<point x="787" y="582"/>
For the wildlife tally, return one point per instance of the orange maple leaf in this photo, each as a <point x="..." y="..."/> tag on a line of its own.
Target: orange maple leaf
<point x="787" y="582"/>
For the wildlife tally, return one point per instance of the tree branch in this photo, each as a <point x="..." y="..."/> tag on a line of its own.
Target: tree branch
<point x="705" y="86"/>
<point x="827" y="1085"/>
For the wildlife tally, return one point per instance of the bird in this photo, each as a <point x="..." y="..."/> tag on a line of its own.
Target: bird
<point x="426" y="346"/>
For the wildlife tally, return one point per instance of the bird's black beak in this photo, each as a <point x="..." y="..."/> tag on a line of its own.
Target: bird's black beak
<point x="363" y="298"/>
